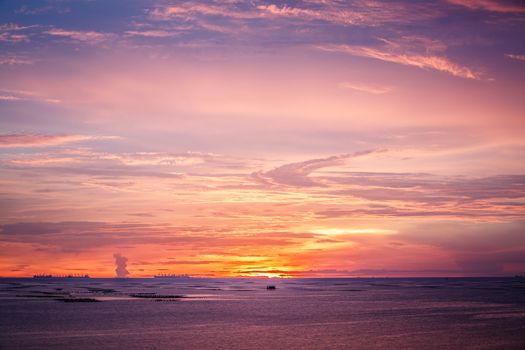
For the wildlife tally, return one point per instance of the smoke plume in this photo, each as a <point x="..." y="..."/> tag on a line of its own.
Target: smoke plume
<point x="121" y="262"/>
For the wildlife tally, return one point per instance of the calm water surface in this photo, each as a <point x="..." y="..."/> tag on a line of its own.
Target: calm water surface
<point x="455" y="313"/>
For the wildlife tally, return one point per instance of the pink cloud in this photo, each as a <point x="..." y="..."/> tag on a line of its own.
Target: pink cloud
<point x="296" y="174"/>
<point x="131" y="159"/>
<point x="91" y="37"/>
<point x="367" y="13"/>
<point x="167" y="12"/>
<point x="287" y="11"/>
<point x="23" y="95"/>
<point x="15" y="38"/>
<point x="516" y="57"/>
<point x="490" y="5"/>
<point x="9" y="98"/>
<point x="11" y="32"/>
<point x="425" y="61"/>
<point x="152" y="33"/>
<point x="43" y="160"/>
<point x="14" y="60"/>
<point x="375" y="90"/>
<point x="328" y="11"/>
<point x="35" y="140"/>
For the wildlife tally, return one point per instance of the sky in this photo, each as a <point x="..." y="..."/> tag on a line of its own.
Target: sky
<point x="313" y="138"/>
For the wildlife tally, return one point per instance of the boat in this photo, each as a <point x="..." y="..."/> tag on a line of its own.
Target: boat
<point x="170" y="275"/>
<point x="60" y="276"/>
<point x="76" y="276"/>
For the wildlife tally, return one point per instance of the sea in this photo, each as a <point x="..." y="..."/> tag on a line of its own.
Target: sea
<point x="242" y="313"/>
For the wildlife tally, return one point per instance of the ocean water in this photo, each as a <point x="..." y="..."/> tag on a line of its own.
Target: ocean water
<point x="391" y="313"/>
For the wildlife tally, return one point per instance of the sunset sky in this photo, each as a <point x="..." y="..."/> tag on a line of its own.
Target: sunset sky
<point x="314" y="138"/>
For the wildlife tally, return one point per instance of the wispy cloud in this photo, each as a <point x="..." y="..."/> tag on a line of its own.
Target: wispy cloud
<point x="36" y="140"/>
<point x="14" y="33"/>
<point x="14" y="60"/>
<point x="24" y="95"/>
<point x="491" y="5"/>
<point x="57" y="7"/>
<point x="516" y="57"/>
<point x="151" y="33"/>
<point x="425" y="61"/>
<point x="328" y="14"/>
<point x="296" y="174"/>
<point x="91" y="37"/>
<point x="42" y="160"/>
<point x="9" y="98"/>
<point x="128" y="159"/>
<point x="357" y="13"/>
<point x="370" y="89"/>
<point x="420" y="195"/>
<point x="193" y="8"/>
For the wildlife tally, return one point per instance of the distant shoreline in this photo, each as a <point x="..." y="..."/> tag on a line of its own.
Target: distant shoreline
<point x="260" y="278"/>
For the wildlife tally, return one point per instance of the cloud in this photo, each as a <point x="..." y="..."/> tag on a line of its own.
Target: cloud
<point x="286" y="10"/>
<point x="57" y="7"/>
<point x="42" y="228"/>
<point x="179" y="262"/>
<point x="421" y="212"/>
<point x="475" y="246"/>
<point x="84" y="161"/>
<point x="22" y="95"/>
<point x="13" y="27"/>
<point x="48" y="166"/>
<point x="328" y="14"/>
<point x="375" y="90"/>
<point x="258" y="271"/>
<point x="90" y="37"/>
<point x="364" y="194"/>
<point x="415" y="273"/>
<point x="351" y="231"/>
<point x="491" y="5"/>
<point x="425" y="61"/>
<point x="121" y="263"/>
<point x="78" y="236"/>
<point x="189" y="7"/>
<point x="12" y="37"/>
<point x="152" y="33"/>
<point x="516" y="57"/>
<point x="407" y="185"/>
<point x="258" y="20"/>
<point x="158" y="158"/>
<point x="491" y="262"/>
<point x="14" y="60"/>
<point x="11" y="32"/>
<point x="423" y="195"/>
<point x="340" y="13"/>
<point x="43" y="160"/>
<point x="36" y="140"/>
<point x="90" y="236"/>
<point x="9" y="98"/>
<point x="296" y="174"/>
<point x="229" y="246"/>
<point x="137" y="159"/>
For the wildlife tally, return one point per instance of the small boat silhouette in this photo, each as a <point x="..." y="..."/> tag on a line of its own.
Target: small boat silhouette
<point x="170" y="275"/>
<point x="270" y="287"/>
<point x="61" y="276"/>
